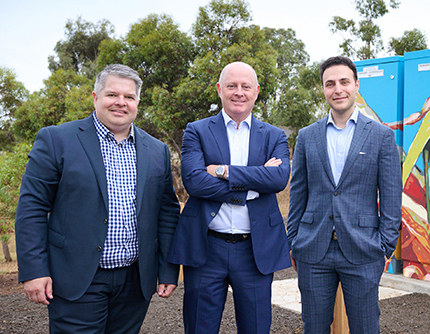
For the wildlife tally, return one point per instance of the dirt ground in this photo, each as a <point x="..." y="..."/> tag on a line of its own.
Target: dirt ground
<point x="400" y="315"/>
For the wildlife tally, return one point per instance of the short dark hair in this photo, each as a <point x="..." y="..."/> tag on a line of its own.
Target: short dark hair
<point x="338" y="60"/>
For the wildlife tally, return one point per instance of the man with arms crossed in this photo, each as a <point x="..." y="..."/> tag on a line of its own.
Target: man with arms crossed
<point x="342" y="166"/>
<point x="231" y="231"/>
<point x="96" y="215"/>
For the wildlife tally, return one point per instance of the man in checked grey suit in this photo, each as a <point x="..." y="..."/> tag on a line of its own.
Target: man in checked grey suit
<point x="342" y="166"/>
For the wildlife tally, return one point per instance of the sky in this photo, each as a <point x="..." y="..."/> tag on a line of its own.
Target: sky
<point x="29" y="30"/>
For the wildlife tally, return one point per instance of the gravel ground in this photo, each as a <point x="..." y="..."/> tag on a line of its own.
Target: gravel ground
<point x="399" y="315"/>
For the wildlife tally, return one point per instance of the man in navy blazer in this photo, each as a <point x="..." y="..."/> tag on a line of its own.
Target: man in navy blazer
<point x="231" y="231"/>
<point x="96" y="215"/>
<point x="345" y="206"/>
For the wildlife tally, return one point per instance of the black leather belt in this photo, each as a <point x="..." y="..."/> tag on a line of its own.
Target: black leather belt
<point x="228" y="237"/>
<point x="334" y="236"/>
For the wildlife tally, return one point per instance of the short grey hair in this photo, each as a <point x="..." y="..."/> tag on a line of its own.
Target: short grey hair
<point x="118" y="70"/>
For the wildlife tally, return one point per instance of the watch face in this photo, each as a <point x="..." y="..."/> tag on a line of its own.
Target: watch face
<point x="219" y="171"/>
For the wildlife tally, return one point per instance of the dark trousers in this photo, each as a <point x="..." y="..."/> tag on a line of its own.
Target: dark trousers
<point x="206" y="290"/>
<point x="318" y="284"/>
<point x="112" y="304"/>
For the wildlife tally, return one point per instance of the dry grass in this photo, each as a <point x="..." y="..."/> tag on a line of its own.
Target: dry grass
<point x="8" y="267"/>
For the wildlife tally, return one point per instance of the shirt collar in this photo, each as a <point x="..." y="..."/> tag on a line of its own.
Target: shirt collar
<point x="353" y="117"/>
<point x="103" y="131"/>
<point x="227" y="119"/>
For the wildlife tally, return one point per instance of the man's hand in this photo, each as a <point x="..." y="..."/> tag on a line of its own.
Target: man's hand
<point x="39" y="290"/>
<point x="166" y="290"/>
<point x="293" y="262"/>
<point x="273" y="162"/>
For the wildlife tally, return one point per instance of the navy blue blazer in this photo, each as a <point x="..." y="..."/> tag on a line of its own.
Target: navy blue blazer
<point x="365" y="230"/>
<point x="205" y="142"/>
<point x="62" y="214"/>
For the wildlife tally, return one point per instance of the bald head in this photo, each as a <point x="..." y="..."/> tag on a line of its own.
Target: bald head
<point x="237" y="65"/>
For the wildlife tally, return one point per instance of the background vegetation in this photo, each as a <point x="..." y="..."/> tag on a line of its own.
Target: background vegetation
<point x="179" y="73"/>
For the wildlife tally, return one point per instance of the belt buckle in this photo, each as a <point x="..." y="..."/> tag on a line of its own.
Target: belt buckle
<point x="230" y="239"/>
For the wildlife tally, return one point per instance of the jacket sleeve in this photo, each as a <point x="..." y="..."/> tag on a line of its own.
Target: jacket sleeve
<point x="298" y="190"/>
<point x="264" y="179"/>
<point x="167" y="221"/>
<point x="197" y="181"/>
<point x="37" y="194"/>
<point x="390" y="193"/>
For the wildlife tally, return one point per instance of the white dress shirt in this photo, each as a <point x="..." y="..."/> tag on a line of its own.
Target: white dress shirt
<point x="233" y="218"/>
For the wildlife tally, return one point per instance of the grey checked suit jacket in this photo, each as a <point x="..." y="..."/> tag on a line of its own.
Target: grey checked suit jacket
<point x="366" y="231"/>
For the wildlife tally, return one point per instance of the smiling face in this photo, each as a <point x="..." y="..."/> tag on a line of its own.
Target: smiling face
<point x="340" y="89"/>
<point x="238" y="90"/>
<point x="116" y="105"/>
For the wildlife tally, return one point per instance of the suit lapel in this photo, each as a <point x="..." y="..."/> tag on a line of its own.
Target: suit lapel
<point x="321" y="142"/>
<point x="88" y="137"/>
<point x="255" y="142"/>
<point x="142" y="165"/>
<point x="219" y="132"/>
<point x="360" y="134"/>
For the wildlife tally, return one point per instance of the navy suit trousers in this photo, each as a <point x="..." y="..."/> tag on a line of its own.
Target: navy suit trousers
<point x="206" y="290"/>
<point x="113" y="304"/>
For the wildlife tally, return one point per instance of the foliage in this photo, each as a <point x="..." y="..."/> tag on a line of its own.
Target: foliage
<point x="364" y="39"/>
<point x="65" y="97"/>
<point x="303" y="103"/>
<point x="161" y="54"/>
<point x="217" y="23"/>
<point x="79" y="50"/>
<point x="12" y="95"/>
<point x="12" y="167"/>
<point x="412" y="40"/>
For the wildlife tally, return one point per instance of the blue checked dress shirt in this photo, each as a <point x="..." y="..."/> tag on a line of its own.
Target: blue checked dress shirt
<point x="121" y="244"/>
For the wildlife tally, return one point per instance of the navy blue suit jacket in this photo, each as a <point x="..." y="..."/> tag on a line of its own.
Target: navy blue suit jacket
<point x="62" y="214"/>
<point x="205" y="142"/>
<point x="366" y="230"/>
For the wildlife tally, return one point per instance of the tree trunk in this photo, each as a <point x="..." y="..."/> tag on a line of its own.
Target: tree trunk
<point x="6" y="251"/>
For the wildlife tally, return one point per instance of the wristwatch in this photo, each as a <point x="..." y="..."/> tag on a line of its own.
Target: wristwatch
<point x="220" y="171"/>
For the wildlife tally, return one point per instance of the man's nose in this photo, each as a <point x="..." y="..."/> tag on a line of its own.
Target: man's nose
<point x="120" y="100"/>
<point x="239" y="90"/>
<point x="338" y="88"/>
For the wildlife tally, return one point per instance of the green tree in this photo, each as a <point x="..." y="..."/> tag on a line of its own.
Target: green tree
<point x="66" y="96"/>
<point x="303" y="103"/>
<point x="363" y="40"/>
<point x="217" y="23"/>
<point x="12" y="95"/>
<point x="12" y="167"/>
<point x="222" y="36"/>
<point x="412" y="40"/>
<point x="161" y="54"/>
<point x="80" y="49"/>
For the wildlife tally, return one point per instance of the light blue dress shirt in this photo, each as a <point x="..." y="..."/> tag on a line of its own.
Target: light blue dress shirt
<point x="339" y="142"/>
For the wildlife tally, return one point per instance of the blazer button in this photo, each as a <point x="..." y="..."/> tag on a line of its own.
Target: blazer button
<point x="99" y="248"/>
<point x="105" y="221"/>
<point x="331" y="217"/>
<point x="336" y="193"/>
<point x="213" y="214"/>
